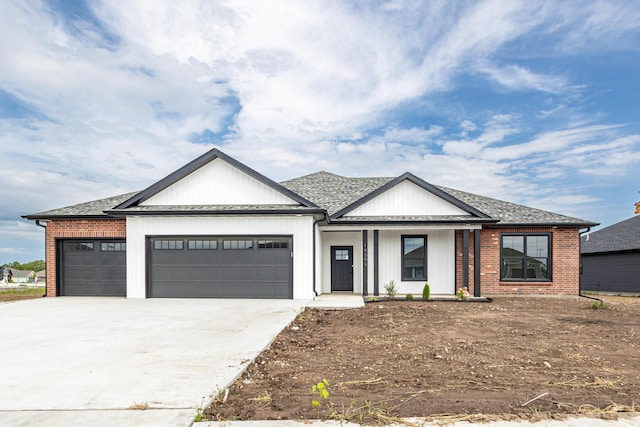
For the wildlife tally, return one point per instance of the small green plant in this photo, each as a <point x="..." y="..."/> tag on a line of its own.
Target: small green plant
<point x="462" y="294"/>
<point x="598" y="305"/>
<point x="200" y="416"/>
<point x="391" y="288"/>
<point x="426" y="291"/>
<point x="409" y="297"/>
<point x="373" y="299"/>
<point x="322" y="388"/>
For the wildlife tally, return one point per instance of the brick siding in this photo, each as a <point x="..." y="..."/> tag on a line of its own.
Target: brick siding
<point x="73" y="229"/>
<point x="565" y="259"/>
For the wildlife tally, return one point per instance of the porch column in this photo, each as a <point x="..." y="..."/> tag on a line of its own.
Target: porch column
<point x="365" y="263"/>
<point x="476" y="263"/>
<point x="376" y="283"/>
<point x="465" y="258"/>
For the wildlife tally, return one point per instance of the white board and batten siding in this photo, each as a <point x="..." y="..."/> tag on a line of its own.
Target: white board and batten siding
<point x="300" y="227"/>
<point x="440" y="259"/>
<point x="405" y="199"/>
<point x="441" y="268"/>
<point x="218" y="183"/>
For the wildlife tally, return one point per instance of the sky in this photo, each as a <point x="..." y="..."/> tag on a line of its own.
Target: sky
<point x="533" y="102"/>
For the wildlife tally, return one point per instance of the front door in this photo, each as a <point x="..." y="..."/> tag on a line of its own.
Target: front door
<point x="341" y="268"/>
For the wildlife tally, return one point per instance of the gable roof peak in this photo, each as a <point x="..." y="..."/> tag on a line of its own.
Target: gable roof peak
<point x="198" y="163"/>
<point x="408" y="176"/>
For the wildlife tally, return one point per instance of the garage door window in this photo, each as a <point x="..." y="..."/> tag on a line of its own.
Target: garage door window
<point x="203" y="244"/>
<point x="273" y="244"/>
<point x="237" y="244"/>
<point x="79" y="246"/>
<point x="113" y="247"/>
<point x="168" y="244"/>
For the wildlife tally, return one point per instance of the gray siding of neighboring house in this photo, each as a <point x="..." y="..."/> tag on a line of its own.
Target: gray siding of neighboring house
<point x="611" y="272"/>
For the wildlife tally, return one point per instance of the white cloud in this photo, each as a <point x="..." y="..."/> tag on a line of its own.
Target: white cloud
<point x="519" y="78"/>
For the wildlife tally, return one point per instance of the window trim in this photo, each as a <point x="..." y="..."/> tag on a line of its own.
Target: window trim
<point x="549" y="257"/>
<point x="425" y="259"/>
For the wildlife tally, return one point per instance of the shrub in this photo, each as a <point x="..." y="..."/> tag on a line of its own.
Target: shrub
<point x="426" y="291"/>
<point x="409" y="297"/>
<point x="391" y="288"/>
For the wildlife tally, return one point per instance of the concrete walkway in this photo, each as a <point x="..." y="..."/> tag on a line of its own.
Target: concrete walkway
<point x="97" y="361"/>
<point x="337" y="301"/>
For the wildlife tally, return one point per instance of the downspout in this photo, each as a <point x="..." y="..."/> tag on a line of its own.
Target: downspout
<point x="313" y="282"/>
<point x="580" y="268"/>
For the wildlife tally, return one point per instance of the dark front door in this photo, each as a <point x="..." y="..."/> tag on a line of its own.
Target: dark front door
<point x="342" y="268"/>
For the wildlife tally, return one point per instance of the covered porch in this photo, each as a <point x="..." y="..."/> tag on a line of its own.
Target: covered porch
<point x="361" y="259"/>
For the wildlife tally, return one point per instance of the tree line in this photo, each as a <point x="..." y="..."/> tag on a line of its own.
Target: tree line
<point x="36" y="265"/>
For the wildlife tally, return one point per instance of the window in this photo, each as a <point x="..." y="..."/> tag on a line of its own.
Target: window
<point x="273" y="244"/>
<point x="237" y="244"/>
<point x="79" y="246"/>
<point x="525" y="257"/>
<point x="342" y="255"/>
<point x="203" y="244"/>
<point x="113" y="247"/>
<point x="414" y="257"/>
<point x="168" y="244"/>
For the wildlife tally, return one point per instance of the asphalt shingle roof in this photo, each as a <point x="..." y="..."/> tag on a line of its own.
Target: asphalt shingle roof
<point x="333" y="193"/>
<point x="513" y="213"/>
<point x="94" y="208"/>
<point x="622" y="236"/>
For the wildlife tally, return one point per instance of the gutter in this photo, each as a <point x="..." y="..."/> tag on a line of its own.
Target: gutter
<point x="580" y="267"/>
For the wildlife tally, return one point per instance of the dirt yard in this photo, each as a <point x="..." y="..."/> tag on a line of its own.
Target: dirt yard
<point x="447" y="361"/>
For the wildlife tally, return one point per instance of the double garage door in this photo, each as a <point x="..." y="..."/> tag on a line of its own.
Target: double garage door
<point x="220" y="267"/>
<point x="182" y="267"/>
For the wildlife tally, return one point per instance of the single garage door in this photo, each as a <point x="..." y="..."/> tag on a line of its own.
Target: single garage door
<point x="92" y="267"/>
<point x="221" y="267"/>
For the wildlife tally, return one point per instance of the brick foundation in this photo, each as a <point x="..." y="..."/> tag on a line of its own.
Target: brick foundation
<point x="73" y="229"/>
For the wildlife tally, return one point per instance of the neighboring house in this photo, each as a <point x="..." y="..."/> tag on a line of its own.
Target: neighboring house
<point x="611" y="258"/>
<point x="13" y="275"/>
<point x="217" y="228"/>
<point x="41" y="277"/>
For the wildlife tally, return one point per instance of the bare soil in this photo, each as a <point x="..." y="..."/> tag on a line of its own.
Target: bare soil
<point x="447" y="361"/>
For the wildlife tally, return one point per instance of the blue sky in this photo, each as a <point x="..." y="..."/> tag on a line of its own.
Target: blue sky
<point x="530" y="102"/>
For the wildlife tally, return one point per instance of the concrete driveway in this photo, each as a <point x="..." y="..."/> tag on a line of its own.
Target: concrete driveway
<point x="66" y="361"/>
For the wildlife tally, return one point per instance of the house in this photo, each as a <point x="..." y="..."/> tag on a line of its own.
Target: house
<point x="13" y="275"/>
<point x="217" y="228"/>
<point x="611" y="258"/>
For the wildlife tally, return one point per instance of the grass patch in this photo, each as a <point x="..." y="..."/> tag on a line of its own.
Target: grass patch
<point x="23" y="291"/>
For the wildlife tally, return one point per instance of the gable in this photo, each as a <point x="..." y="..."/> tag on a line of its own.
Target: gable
<point x="406" y="198"/>
<point x="218" y="183"/>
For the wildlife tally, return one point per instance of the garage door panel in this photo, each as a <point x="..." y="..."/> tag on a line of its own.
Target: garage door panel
<point x="214" y="272"/>
<point x="88" y="270"/>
